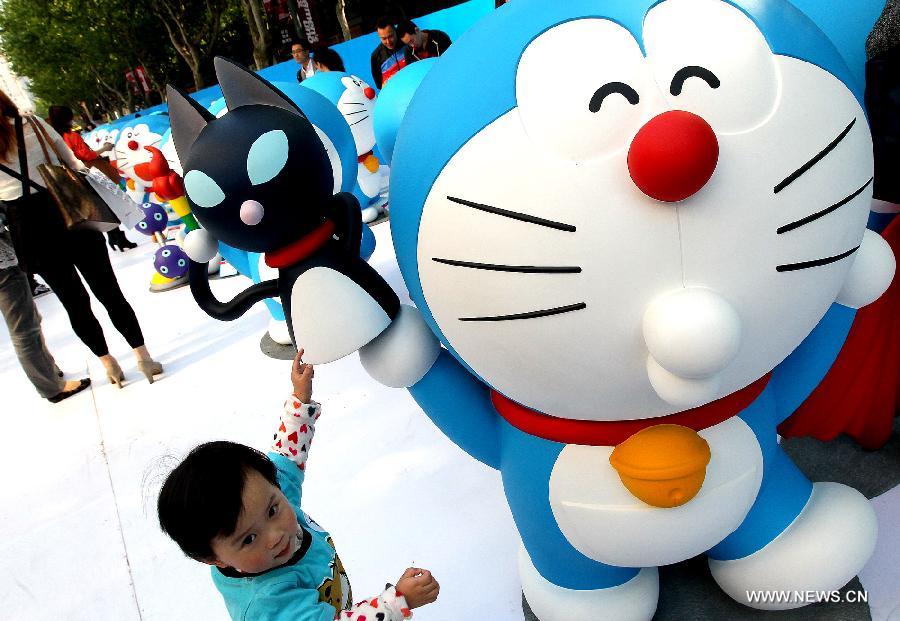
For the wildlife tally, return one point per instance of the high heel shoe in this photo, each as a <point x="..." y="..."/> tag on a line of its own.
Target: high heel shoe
<point x="114" y="374"/>
<point x="149" y="368"/>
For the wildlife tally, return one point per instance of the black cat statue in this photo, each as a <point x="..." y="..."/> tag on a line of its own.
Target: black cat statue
<point x="259" y="179"/>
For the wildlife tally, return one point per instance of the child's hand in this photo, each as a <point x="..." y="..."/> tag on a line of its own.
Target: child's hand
<point x="418" y="586"/>
<point x="302" y="377"/>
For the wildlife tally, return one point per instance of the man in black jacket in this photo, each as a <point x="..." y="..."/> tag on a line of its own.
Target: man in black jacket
<point x="388" y="58"/>
<point x="421" y="44"/>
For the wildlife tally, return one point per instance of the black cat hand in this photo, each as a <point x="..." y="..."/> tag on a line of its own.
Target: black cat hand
<point x="226" y="311"/>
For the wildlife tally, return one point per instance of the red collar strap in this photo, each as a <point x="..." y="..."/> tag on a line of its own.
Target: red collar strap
<point x="304" y="247"/>
<point x="611" y="433"/>
<point x="362" y="158"/>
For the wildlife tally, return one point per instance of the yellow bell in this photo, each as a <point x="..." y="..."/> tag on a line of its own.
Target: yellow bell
<point x="663" y="465"/>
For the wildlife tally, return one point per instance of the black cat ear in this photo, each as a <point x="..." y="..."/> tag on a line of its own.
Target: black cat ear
<point x="242" y="87"/>
<point x="187" y="118"/>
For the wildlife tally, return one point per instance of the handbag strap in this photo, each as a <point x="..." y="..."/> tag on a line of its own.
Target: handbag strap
<point x="25" y="180"/>
<point x="23" y="161"/>
<point x="44" y="139"/>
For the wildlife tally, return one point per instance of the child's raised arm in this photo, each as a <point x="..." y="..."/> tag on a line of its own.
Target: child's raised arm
<point x="295" y="433"/>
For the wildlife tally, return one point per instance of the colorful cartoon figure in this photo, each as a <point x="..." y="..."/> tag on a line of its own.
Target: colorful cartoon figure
<point x="312" y="236"/>
<point x="639" y="262"/>
<point x="130" y="151"/>
<point x="155" y="219"/>
<point x="356" y="102"/>
<point x="171" y="261"/>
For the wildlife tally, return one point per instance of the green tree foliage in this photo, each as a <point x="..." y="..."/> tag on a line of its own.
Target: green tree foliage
<point x="80" y="50"/>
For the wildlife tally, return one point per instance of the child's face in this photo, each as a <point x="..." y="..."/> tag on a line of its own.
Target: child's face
<point x="266" y="532"/>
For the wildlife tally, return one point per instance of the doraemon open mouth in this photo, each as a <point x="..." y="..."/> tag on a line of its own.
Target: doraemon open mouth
<point x="611" y="433"/>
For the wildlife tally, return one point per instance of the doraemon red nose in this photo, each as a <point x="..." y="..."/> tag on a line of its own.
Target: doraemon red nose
<point x="673" y="156"/>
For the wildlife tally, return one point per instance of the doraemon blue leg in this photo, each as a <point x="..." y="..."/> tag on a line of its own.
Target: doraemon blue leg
<point x="559" y="582"/>
<point x="798" y="536"/>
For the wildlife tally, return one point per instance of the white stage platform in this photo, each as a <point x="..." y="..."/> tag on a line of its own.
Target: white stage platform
<point x="79" y="538"/>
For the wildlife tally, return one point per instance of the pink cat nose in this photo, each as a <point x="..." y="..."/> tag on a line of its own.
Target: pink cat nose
<point x="673" y="156"/>
<point x="133" y="145"/>
<point x="252" y="212"/>
<point x="369" y="93"/>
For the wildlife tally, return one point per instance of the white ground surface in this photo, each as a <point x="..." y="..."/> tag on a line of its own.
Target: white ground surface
<point x="78" y="532"/>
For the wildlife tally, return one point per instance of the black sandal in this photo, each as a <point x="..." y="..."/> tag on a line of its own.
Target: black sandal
<point x="84" y="383"/>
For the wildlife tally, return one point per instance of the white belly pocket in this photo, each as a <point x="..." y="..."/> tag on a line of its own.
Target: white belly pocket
<point x="602" y="520"/>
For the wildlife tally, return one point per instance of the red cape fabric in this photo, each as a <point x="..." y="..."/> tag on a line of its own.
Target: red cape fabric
<point x="859" y="395"/>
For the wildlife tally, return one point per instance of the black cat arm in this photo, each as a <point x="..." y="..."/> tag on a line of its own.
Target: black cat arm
<point x="344" y="211"/>
<point x="226" y="311"/>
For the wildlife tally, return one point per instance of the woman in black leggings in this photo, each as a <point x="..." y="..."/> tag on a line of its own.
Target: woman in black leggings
<point x="44" y="245"/>
<point x="86" y="251"/>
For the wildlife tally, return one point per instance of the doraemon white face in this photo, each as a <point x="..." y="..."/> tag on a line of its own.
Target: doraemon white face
<point x="357" y="104"/>
<point x="130" y="149"/>
<point x="546" y="266"/>
<point x="99" y="137"/>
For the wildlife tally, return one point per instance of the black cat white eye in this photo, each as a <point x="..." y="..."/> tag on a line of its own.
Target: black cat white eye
<point x="515" y="215"/>
<point x="815" y="159"/>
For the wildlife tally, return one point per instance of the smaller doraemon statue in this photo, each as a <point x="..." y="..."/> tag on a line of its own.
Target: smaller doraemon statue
<point x="356" y="102"/>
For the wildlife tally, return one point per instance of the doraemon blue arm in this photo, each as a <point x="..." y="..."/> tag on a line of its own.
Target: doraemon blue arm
<point x="241" y="175"/>
<point x="639" y="261"/>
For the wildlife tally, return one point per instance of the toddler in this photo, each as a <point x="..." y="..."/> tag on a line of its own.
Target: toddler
<point x="237" y="509"/>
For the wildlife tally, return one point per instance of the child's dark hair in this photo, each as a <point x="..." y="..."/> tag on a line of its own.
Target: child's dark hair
<point x="201" y="498"/>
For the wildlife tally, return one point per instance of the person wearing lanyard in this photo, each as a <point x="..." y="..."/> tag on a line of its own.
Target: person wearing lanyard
<point x="389" y="57"/>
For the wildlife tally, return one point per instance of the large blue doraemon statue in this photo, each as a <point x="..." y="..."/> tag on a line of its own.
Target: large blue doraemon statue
<point x="618" y="227"/>
<point x="638" y="230"/>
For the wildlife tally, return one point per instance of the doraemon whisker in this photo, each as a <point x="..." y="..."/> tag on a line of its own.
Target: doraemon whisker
<point x="515" y="215"/>
<point x="531" y="314"/>
<point x="523" y="269"/>
<point x="824" y="212"/>
<point x="359" y="121"/>
<point x="815" y="160"/>
<point x="352" y="113"/>
<point x="792" y="267"/>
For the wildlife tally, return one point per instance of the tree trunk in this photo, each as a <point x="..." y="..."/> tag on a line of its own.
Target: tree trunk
<point x="184" y="42"/>
<point x="341" y="8"/>
<point x="259" y="33"/>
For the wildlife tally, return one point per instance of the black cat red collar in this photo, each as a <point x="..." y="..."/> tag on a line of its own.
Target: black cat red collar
<point x="304" y="247"/>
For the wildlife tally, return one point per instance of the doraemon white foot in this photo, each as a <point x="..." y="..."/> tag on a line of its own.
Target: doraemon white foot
<point x="634" y="600"/>
<point x="370" y="214"/>
<point x="825" y="546"/>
